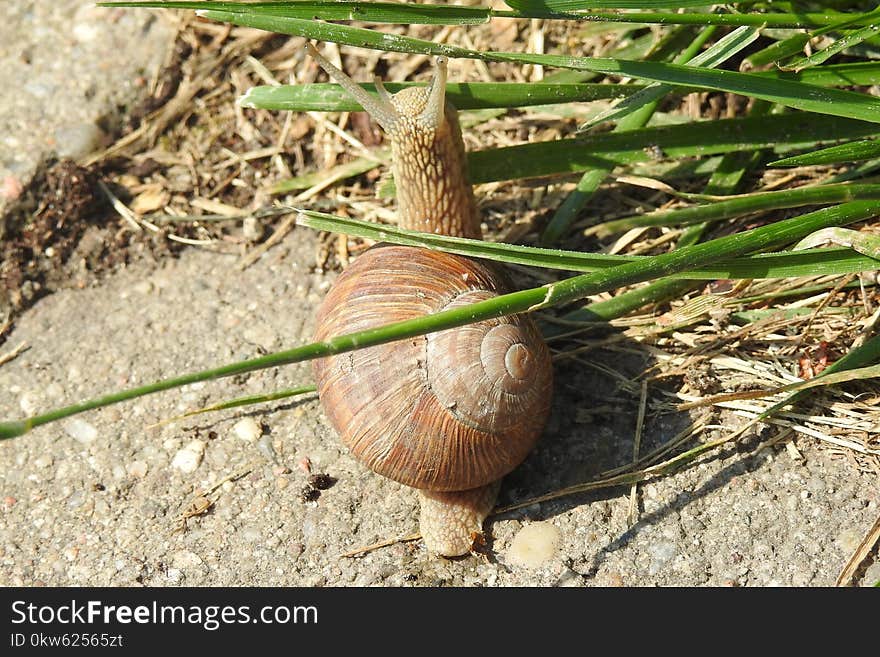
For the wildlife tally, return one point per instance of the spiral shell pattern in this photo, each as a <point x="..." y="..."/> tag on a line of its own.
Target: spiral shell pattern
<point x="450" y="411"/>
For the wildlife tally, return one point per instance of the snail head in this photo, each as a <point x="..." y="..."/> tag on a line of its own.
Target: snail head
<point x="411" y="111"/>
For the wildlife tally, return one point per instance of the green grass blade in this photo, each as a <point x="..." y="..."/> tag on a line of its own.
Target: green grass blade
<point x="850" y="73"/>
<point x="528" y="6"/>
<point x="756" y="19"/>
<point x="798" y="95"/>
<point x="852" y="152"/>
<point x="379" y="12"/>
<point x="795" y="44"/>
<point x="725" y="180"/>
<point x="744" y="204"/>
<point x="777" y="51"/>
<point x="810" y="98"/>
<point x="568" y="210"/>
<point x="323" y="97"/>
<point x="604" y="151"/>
<point x="713" y="56"/>
<point x="566" y="291"/>
<point x="776" y="265"/>
<point x="339" y="172"/>
<point x="688" y="169"/>
<point x="369" y="12"/>
<point x="247" y="401"/>
<point x="838" y="46"/>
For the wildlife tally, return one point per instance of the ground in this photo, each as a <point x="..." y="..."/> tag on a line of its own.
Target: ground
<point x="109" y="498"/>
<point x="98" y="499"/>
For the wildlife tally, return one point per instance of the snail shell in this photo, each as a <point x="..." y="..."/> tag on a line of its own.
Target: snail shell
<point x="450" y="411"/>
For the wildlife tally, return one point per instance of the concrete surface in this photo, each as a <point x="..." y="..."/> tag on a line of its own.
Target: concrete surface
<point x="97" y="500"/>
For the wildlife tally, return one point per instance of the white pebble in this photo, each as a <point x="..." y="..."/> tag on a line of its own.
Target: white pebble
<point x="661" y="553"/>
<point x="251" y="229"/>
<point x="187" y="459"/>
<point x="80" y="430"/>
<point x="534" y="545"/>
<point x="137" y="469"/>
<point x="28" y="403"/>
<point x="247" y="429"/>
<point x="183" y="559"/>
<point x="43" y="461"/>
<point x="87" y="23"/>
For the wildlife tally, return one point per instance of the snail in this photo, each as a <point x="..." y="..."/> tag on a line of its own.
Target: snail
<point x="452" y="412"/>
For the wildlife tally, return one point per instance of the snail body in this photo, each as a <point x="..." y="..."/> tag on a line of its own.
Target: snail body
<point x="452" y="412"/>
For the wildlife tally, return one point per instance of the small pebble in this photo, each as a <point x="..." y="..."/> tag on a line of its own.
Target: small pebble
<point x="266" y="449"/>
<point x="80" y="430"/>
<point x="661" y="553"/>
<point x="143" y="287"/>
<point x="185" y="559"/>
<point x="534" y="545"/>
<point x="252" y="229"/>
<point x="28" y="403"/>
<point x="248" y="429"/>
<point x="137" y="469"/>
<point x="43" y="461"/>
<point x="188" y="459"/>
<point x="153" y="198"/>
<point x="87" y="24"/>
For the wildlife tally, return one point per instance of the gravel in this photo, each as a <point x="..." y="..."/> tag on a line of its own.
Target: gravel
<point x="107" y="511"/>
